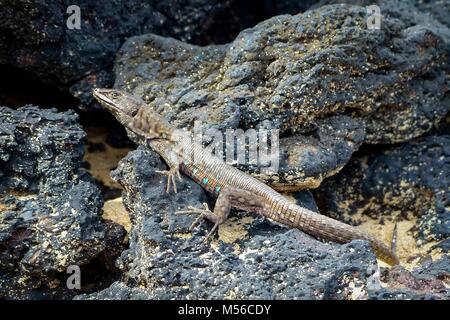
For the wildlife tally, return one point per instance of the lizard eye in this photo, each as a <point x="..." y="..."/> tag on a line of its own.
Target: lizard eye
<point x="114" y="95"/>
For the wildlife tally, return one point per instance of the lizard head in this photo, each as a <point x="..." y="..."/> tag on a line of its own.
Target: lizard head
<point x="134" y="114"/>
<point x="122" y="105"/>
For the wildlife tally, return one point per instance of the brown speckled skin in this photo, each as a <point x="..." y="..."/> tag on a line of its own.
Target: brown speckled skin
<point x="237" y="189"/>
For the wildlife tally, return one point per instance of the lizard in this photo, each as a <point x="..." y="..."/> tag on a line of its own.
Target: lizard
<point x="231" y="187"/>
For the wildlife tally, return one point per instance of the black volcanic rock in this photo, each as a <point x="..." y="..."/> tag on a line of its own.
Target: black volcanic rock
<point x="264" y="261"/>
<point x="169" y="261"/>
<point x="411" y="179"/>
<point x="323" y="78"/>
<point x="427" y="282"/>
<point x="34" y="35"/>
<point x="328" y="90"/>
<point x="294" y="70"/>
<point x="50" y="208"/>
<point x="433" y="13"/>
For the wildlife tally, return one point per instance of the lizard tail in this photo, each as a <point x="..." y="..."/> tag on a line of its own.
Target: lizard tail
<point x="394" y="239"/>
<point x="329" y="229"/>
<point x="383" y="252"/>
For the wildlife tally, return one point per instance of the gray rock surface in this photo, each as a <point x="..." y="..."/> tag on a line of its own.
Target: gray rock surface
<point x="431" y="12"/>
<point x="118" y="291"/>
<point x="411" y="180"/>
<point x="429" y="281"/>
<point x="293" y="70"/>
<point x="50" y="208"/>
<point x="265" y="261"/>
<point x="306" y="159"/>
<point x="322" y="77"/>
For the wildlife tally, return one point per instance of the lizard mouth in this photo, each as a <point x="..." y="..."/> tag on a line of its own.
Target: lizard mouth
<point x="102" y="96"/>
<point x="110" y="100"/>
<point x="117" y="102"/>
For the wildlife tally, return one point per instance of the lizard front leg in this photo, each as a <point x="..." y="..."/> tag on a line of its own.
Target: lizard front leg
<point x="229" y="197"/>
<point x="171" y="173"/>
<point x="172" y="161"/>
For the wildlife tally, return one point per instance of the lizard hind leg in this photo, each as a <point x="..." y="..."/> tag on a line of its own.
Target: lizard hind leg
<point x="217" y="217"/>
<point x="228" y="197"/>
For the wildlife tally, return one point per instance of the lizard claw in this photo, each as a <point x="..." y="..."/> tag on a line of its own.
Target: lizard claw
<point x="202" y="213"/>
<point x="171" y="177"/>
<point x="211" y="232"/>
